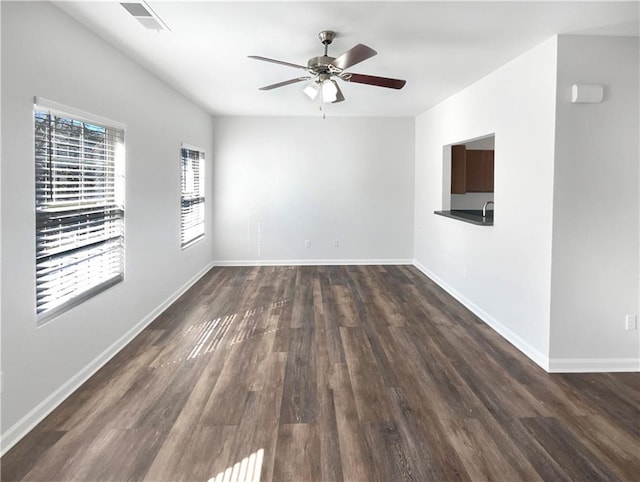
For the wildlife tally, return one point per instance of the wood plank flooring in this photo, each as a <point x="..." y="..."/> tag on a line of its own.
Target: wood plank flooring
<point x="330" y="373"/>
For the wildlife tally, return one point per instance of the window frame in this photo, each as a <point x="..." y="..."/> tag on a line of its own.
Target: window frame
<point x="186" y="243"/>
<point x="111" y="215"/>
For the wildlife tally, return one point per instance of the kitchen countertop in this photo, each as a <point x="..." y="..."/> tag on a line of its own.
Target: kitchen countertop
<point x="473" y="216"/>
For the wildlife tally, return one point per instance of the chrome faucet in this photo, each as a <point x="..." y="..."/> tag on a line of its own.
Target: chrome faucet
<point x="484" y="208"/>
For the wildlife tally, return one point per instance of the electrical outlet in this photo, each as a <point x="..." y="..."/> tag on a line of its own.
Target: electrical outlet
<point x="336" y="243"/>
<point x="307" y="243"/>
<point x="631" y="322"/>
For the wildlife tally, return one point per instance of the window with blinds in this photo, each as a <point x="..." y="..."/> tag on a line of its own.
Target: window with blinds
<point x="79" y="168"/>
<point x="192" y="199"/>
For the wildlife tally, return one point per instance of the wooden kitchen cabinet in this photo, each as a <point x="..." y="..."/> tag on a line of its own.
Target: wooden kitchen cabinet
<point x="471" y="170"/>
<point x="458" y="169"/>
<point x="489" y="173"/>
<point x="479" y="168"/>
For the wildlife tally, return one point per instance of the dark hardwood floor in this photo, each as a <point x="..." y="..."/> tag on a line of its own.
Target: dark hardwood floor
<point x="347" y="373"/>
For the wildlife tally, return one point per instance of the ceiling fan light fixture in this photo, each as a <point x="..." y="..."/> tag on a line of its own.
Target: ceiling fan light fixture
<point x="312" y="90"/>
<point x="329" y="91"/>
<point x="324" y="69"/>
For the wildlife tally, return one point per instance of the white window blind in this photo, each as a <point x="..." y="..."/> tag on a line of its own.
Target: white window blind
<point x="192" y="199"/>
<point x="79" y="168"/>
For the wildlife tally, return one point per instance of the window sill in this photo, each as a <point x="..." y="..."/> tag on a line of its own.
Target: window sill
<point x="192" y="242"/>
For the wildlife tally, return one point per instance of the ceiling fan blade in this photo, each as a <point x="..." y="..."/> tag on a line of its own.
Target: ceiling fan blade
<point x="273" y="61"/>
<point x="282" y="84"/>
<point x="353" y="56"/>
<point x="374" y="80"/>
<point x="339" y="95"/>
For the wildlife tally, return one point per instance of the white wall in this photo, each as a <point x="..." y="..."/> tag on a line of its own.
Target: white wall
<point x="48" y="54"/>
<point x="595" y="216"/>
<point x="502" y="272"/>
<point x="1" y="372"/>
<point x="281" y="181"/>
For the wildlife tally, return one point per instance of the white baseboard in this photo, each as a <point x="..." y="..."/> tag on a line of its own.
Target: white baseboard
<point x="23" y="426"/>
<point x="311" y="262"/>
<point x="593" y="365"/>
<point x="536" y="356"/>
<point x="553" y="365"/>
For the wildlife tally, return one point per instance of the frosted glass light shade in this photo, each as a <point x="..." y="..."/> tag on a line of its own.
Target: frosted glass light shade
<point x="312" y="90"/>
<point x="329" y="91"/>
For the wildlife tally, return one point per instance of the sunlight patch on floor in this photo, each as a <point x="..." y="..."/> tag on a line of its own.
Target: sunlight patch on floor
<point x="247" y="470"/>
<point x="204" y="338"/>
<point x="247" y="330"/>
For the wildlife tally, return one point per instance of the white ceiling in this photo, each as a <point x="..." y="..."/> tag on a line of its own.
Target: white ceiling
<point x="438" y="47"/>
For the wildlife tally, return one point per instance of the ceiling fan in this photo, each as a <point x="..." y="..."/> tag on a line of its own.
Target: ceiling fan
<point x="323" y="71"/>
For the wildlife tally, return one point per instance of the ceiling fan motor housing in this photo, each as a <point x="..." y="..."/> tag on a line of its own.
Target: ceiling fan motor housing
<point x="321" y="64"/>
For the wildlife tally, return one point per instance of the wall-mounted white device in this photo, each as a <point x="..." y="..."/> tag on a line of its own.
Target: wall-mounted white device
<point x="587" y="93"/>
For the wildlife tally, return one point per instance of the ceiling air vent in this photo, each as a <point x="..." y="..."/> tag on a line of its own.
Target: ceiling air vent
<point x="143" y="13"/>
